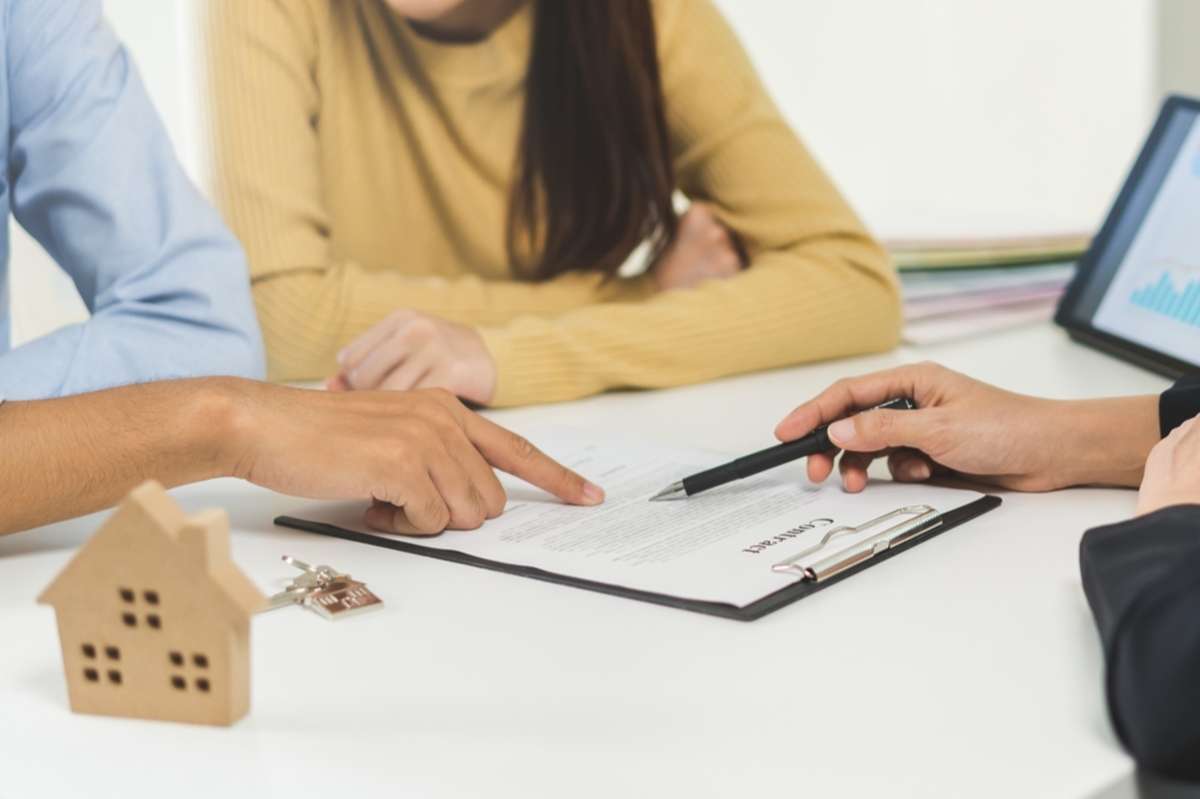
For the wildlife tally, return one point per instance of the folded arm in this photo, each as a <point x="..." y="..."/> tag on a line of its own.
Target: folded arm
<point x="309" y="314"/>
<point x="95" y="181"/>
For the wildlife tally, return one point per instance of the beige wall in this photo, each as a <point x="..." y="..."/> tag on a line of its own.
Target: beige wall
<point x="1179" y="42"/>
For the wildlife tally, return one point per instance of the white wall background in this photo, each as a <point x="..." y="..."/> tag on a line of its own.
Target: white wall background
<point x="1179" y="59"/>
<point x="963" y="117"/>
<point x="937" y="117"/>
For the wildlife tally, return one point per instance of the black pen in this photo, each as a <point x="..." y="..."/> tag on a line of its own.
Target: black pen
<point x="747" y="465"/>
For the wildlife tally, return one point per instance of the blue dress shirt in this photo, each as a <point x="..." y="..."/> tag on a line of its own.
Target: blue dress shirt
<point x="90" y="172"/>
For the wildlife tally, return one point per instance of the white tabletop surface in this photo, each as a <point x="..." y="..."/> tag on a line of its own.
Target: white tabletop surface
<point x="968" y="666"/>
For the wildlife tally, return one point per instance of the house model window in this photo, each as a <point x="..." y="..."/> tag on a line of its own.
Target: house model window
<point x="154" y="617"/>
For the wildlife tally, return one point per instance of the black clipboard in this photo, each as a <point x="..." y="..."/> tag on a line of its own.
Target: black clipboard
<point x="756" y="610"/>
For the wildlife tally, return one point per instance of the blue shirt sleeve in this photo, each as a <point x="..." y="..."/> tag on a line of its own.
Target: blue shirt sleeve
<point x="95" y="180"/>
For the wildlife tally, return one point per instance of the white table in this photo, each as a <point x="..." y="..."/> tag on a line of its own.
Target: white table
<point x="966" y="667"/>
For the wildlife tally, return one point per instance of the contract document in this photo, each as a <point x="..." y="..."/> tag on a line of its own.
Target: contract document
<point x="721" y="546"/>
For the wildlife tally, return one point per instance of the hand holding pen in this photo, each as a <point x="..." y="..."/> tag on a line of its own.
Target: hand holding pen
<point x="977" y="431"/>
<point x="953" y="426"/>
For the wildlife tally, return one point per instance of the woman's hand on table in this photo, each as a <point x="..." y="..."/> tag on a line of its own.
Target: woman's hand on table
<point x="703" y="250"/>
<point x="1173" y="470"/>
<point x="969" y="428"/>
<point x="411" y="350"/>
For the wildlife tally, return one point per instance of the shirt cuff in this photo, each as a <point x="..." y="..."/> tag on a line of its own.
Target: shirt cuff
<point x="1178" y="404"/>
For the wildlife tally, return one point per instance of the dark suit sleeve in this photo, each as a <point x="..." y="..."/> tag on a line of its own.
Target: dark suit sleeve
<point x="1179" y="404"/>
<point x="1142" y="580"/>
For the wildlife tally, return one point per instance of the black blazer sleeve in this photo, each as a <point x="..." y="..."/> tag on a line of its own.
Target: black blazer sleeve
<point x="1179" y="404"/>
<point x="1142" y="580"/>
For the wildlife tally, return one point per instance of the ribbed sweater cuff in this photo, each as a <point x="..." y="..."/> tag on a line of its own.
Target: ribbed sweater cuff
<point x="524" y="375"/>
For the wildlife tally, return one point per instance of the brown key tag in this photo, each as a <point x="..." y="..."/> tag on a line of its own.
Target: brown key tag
<point x="326" y="591"/>
<point x="342" y="597"/>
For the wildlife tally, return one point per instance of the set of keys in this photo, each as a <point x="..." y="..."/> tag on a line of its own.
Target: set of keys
<point x="326" y="591"/>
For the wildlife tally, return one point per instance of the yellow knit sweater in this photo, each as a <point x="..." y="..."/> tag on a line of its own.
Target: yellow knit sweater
<point x="366" y="169"/>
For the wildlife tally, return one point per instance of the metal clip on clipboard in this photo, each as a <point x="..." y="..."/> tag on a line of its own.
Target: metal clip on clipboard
<point x="917" y="520"/>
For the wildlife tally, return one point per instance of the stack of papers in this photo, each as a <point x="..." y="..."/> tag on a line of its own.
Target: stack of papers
<point x="966" y="253"/>
<point x="959" y="289"/>
<point x="948" y="304"/>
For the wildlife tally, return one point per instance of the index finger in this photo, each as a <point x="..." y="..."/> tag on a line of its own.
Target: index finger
<point x="514" y="454"/>
<point x="849" y="395"/>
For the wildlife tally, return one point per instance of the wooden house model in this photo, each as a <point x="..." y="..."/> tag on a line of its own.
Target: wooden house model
<point x="154" y="617"/>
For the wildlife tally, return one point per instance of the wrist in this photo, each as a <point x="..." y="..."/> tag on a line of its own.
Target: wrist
<point x="1148" y="504"/>
<point x="1107" y="440"/>
<point x="220" y="425"/>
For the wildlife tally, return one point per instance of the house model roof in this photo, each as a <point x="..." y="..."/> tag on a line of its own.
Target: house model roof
<point x="147" y="518"/>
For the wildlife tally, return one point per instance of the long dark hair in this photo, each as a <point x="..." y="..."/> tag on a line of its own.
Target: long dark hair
<point x="594" y="171"/>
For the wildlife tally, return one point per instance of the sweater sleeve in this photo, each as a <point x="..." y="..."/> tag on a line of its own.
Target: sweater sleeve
<point x="817" y="285"/>
<point x="1141" y="582"/>
<point x="1178" y="404"/>
<point x="263" y="88"/>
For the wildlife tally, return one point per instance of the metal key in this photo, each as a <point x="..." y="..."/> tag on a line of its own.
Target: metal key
<point x="324" y="590"/>
<point x="316" y="574"/>
<point x="302" y="585"/>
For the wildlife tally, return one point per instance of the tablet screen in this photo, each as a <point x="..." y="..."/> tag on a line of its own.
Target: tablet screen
<point x="1141" y="281"/>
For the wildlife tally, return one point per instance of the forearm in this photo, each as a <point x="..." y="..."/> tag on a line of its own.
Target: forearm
<point x="787" y="308"/>
<point x="1107" y="441"/>
<point x="67" y="457"/>
<point x="307" y="316"/>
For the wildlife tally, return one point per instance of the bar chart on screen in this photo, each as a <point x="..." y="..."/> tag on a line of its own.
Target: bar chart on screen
<point x="1175" y="295"/>
<point x="1154" y="297"/>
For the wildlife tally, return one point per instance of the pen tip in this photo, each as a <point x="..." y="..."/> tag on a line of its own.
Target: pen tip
<point x="670" y="492"/>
